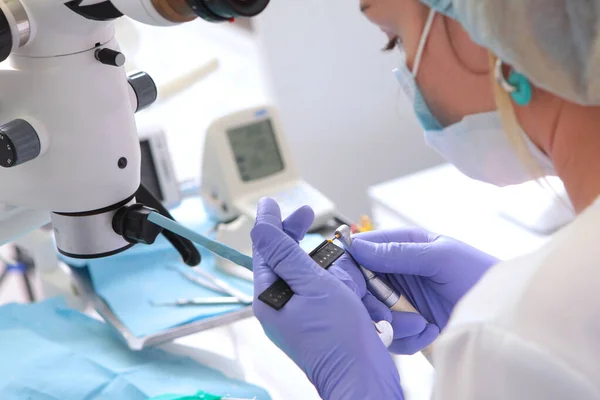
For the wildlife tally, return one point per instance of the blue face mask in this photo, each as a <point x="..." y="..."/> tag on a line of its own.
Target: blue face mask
<point x="428" y="121"/>
<point x="477" y="145"/>
<point x="407" y="80"/>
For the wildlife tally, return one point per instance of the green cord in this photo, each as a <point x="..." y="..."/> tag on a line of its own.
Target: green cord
<point x="198" y="396"/>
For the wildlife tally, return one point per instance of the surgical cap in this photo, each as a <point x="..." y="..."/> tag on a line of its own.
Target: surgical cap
<point x="442" y="6"/>
<point x="555" y="43"/>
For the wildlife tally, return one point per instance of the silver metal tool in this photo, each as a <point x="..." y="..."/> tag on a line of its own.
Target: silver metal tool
<point x="223" y="286"/>
<point x="199" y="301"/>
<point x="203" y="278"/>
<point x="196" y="279"/>
<point x="378" y="288"/>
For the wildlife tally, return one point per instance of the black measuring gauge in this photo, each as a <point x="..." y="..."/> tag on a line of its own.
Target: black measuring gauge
<point x="279" y="293"/>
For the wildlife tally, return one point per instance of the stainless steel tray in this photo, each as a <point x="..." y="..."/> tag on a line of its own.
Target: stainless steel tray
<point x="81" y="279"/>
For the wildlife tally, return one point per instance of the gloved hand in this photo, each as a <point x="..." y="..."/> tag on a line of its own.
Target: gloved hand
<point x="434" y="272"/>
<point x="324" y="328"/>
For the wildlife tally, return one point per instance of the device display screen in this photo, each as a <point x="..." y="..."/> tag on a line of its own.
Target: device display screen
<point x="149" y="173"/>
<point x="256" y="152"/>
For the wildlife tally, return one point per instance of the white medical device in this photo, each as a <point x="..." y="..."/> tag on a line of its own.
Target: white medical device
<point x="157" y="171"/>
<point x="68" y="138"/>
<point x="247" y="157"/>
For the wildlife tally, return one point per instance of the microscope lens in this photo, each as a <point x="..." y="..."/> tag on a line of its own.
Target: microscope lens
<point x="209" y="10"/>
<point x="224" y="10"/>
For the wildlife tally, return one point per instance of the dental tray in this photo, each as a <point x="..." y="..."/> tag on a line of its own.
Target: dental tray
<point x="82" y="280"/>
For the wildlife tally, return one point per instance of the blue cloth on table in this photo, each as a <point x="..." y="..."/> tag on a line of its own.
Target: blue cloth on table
<point x="128" y="285"/>
<point x="51" y="352"/>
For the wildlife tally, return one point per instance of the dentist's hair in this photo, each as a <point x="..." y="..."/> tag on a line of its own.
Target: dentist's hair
<point x="512" y="128"/>
<point x="516" y="136"/>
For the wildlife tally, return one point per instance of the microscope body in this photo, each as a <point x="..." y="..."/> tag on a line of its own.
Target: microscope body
<point x="76" y="152"/>
<point x="68" y="138"/>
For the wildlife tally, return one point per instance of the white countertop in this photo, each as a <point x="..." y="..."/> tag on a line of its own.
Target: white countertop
<point x="443" y="200"/>
<point x="256" y="357"/>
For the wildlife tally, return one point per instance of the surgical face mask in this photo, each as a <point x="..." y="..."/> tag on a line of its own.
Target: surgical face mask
<point x="477" y="145"/>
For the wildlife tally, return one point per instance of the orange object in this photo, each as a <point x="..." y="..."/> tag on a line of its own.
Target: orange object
<point x="365" y="224"/>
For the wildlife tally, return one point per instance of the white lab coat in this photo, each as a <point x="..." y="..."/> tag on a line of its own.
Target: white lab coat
<point x="530" y="329"/>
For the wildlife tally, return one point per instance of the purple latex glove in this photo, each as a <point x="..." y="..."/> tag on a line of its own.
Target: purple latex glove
<point x="434" y="272"/>
<point x="324" y="328"/>
<point x="412" y="332"/>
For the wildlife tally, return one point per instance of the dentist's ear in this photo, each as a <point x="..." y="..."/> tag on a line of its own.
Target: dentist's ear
<point x="517" y="85"/>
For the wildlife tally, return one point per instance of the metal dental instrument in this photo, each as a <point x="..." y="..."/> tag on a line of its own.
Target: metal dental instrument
<point x="378" y="287"/>
<point x="196" y="279"/>
<point x="215" y="247"/>
<point x="223" y="286"/>
<point x="199" y="301"/>
<point x="203" y="278"/>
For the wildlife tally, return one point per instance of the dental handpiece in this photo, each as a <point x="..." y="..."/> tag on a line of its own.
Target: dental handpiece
<point x="378" y="288"/>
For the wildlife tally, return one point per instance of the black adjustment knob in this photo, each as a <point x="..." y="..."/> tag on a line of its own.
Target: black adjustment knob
<point x="19" y="143"/>
<point x="144" y="88"/>
<point x="110" y="57"/>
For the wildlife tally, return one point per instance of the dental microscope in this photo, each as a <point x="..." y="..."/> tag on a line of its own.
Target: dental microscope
<point x="69" y="149"/>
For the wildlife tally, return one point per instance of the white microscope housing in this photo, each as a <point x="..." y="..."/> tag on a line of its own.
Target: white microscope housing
<point x="68" y="138"/>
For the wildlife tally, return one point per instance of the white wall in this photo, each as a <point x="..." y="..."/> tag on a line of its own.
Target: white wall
<point x="346" y="117"/>
<point x="168" y="53"/>
<point x="341" y="106"/>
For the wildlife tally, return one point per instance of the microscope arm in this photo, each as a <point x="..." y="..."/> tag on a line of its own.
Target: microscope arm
<point x="17" y="221"/>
